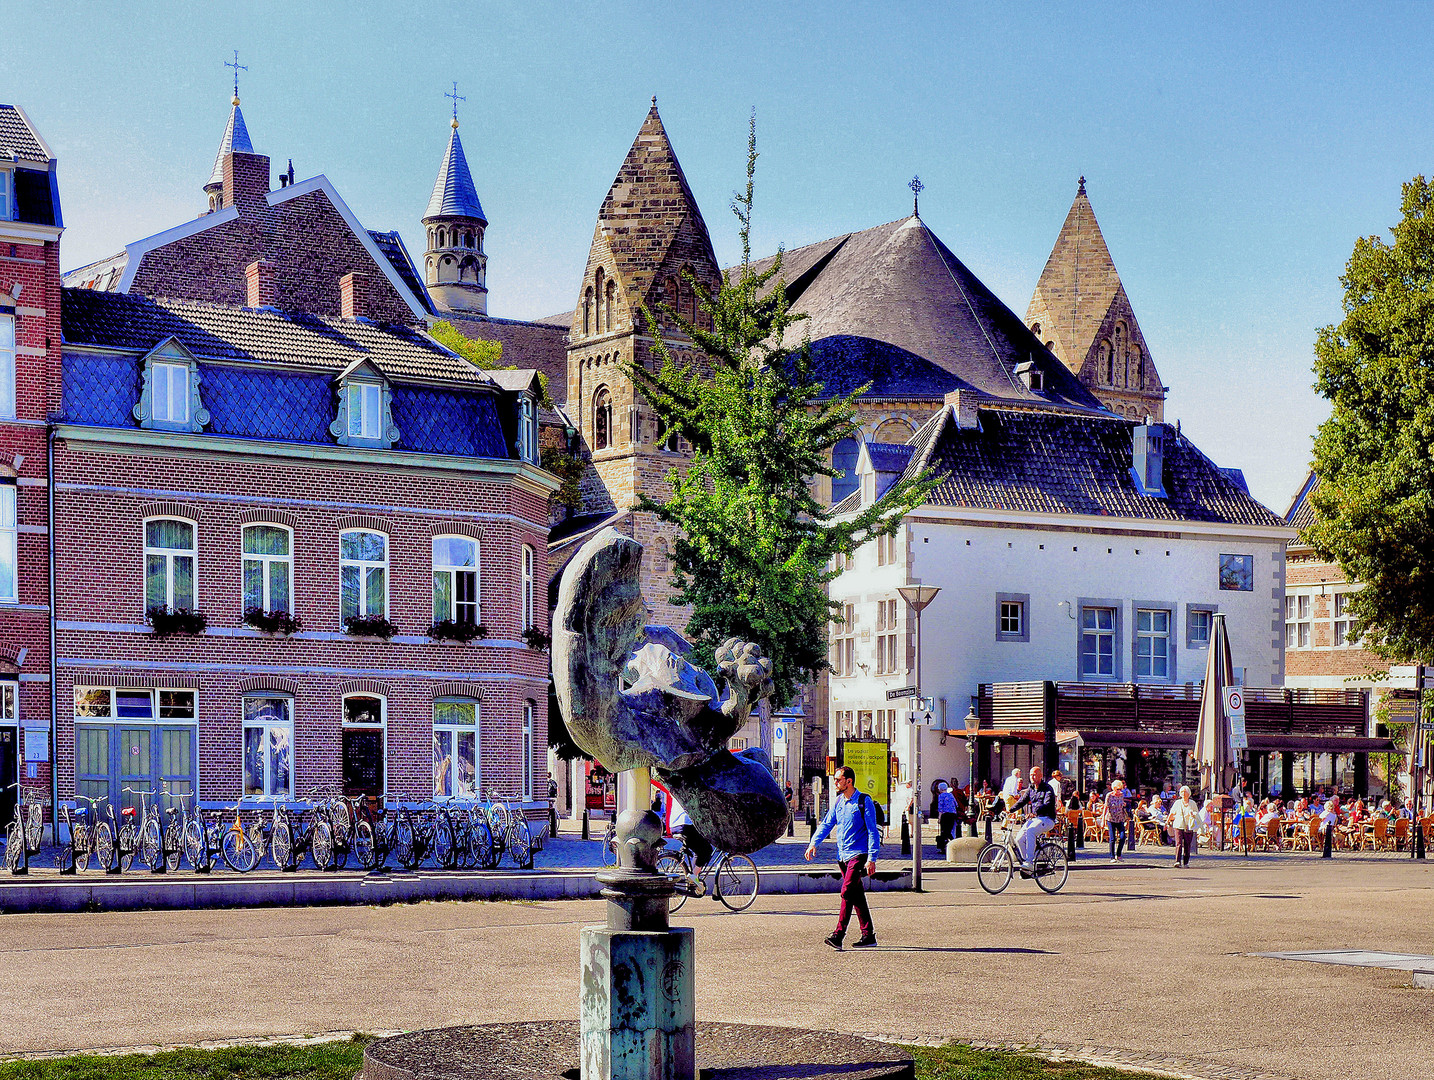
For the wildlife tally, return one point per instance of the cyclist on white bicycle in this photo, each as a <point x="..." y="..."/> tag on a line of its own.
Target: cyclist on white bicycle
<point x="1042" y="801"/>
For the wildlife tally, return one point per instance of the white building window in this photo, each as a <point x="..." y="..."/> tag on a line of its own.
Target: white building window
<point x="1097" y="643"/>
<point x="362" y="750"/>
<point x="268" y="568"/>
<point x="455" y="749"/>
<point x="169" y="393"/>
<point x="528" y="586"/>
<point x="1013" y="612"/>
<point x="365" y="410"/>
<point x="1297" y="621"/>
<point x="169" y="564"/>
<point x="455" y="579"/>
<point x="886" y="637"/>
<point x="268" y="746"/>
<point x="9" y="555"/>
<point x="1198" y="622"/>
<point x="363" y="574"/>
<point x="1341" y="621"/>
<point x="1152" y="644"/>
<point x="526" y="764"/>
<point x="1012" y="616"/>
<point x="7" y="362"/>
<point x="528" y="430"/>
<point x="885" y="550"/>
<point x="843" y="639"/>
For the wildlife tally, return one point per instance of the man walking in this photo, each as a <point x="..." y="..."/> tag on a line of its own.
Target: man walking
<point x="853" y="816"/>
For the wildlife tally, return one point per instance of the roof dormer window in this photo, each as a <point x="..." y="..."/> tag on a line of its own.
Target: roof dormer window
<point x="169" y="394"/>
<point x="365" y="410"/>
<point x="528" y="429"/>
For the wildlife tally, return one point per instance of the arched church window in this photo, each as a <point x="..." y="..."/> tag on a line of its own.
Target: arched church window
<point x="468" y="270"/>
<point x="588" y="312"/>
<point x="610" y="302"/>
<point x="659" y="558"/>
<point x="1137" y="365"/>
<point x="602" y="419"/>
<point x="1036" y="329"/>
<point x="1106" y="369"/>
<point x="598" y="281"/>
<point x="894" y="430"/>
<point x="689" y="298"/>
<point x="1122" y="372"/>
<point x="844" y="456"/>
<point x="674" y="295"/>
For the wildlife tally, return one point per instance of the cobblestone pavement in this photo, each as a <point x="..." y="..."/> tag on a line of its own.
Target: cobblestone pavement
<point x="1136" y="966"/>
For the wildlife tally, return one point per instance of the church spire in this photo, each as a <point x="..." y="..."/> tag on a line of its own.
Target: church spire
<point x="455" y="267"/>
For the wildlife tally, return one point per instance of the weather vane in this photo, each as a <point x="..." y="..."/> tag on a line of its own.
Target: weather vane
<point x="238" y="67"/>
<point x="456" y="99"/>
<point x="917" y="187"/>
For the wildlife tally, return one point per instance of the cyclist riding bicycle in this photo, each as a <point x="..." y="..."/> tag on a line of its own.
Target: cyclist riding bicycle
<point x="1042" y="802"/>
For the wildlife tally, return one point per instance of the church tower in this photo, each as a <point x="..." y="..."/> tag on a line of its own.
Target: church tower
<point x="235" y="141"/>
<point x="455" y="268"/>
<point x="650" y="244"/>
<point x="1081" y="312"/>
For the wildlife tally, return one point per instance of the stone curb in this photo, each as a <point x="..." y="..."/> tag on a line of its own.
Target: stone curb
<point x="194" y="891"/>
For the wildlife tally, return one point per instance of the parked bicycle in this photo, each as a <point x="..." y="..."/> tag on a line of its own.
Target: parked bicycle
<point x="79" y="821"/>
<point x="419" y="835"/>
<point x="22" y="838"/>
<point x="172" y="829"/>
<point x="373" y="835"/>
<point x="510" y="829"/>
<point x="997" y="862"/>
<point x="734" y="878"/>
<point x="241" y="847"/>
<point x="295" y="834"/>
<point x="117" y="837"/>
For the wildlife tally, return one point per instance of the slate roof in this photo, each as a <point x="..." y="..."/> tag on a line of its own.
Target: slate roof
<point x="1301" y="514"/>
<point x="235" y="140"/>
<point x="214" y="331"/>
<point x="898" y="283"/>
<point x="396" y="252"/>
<point x="889" y="457"/>
<point x="1064" y="463"/>
<point x="453" y="192"/>
<point x="18" y="138"/>
<point x="845" y="362"/>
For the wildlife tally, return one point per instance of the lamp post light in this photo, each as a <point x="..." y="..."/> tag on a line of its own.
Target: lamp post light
<point x="917" y="598"/>
<point x="973" y="724"/>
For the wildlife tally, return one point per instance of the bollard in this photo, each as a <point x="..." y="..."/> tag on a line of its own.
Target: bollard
<point x="586" y="833"/>
<point x="988" y="828"/>
<point x="1328" y="841"/>
<point x="811" y="827"/>
<point x="1418" y="840"/>
<point x="791" y="824"/>
<point x="1070" y="842"/>
<point x="905" y="835"/>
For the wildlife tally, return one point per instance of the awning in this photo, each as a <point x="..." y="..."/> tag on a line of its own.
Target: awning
<point x="1293" y="744"/>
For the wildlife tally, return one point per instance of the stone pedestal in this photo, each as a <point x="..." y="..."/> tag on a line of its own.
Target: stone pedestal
<point x="638" y="1020"/>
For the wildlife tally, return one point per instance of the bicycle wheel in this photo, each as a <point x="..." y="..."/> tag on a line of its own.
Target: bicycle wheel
<point x="128" y="846"/>
<point x="673" y="866"/>
<point x="498" y="828"/>
<point x="321" y="844"/>
<point x="520" y="843"/>
<point x="14" y="846"/>
<point x="484" y="854"/>
<point x="443" y="850"/>
<point x="151" y="844"/>
<point x="240" y="851"/>
<point x="364" y="845"/>
<point x="281" y="844"/>
<point x="737" y="881"/>
<point x="173" y="844"/>
<point x="194" y="848"/>
<point x="994" y="868"/>
<point x="405" y="848"/>
<point x="104" y="845"/>
<point x="1052" y="870"/>
<point x="609" y="846"/>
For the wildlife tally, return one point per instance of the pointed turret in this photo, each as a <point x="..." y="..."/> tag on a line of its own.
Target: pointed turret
<point x="1081" y="312"/>
<point x="455" y="267"/>
<point x="236" y="138"/>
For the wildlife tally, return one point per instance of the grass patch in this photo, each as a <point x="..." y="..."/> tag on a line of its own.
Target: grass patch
<point x="341" y="1060"/>
<point x="964" y="1063"/>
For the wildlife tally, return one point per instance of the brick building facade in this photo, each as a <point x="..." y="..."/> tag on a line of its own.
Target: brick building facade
<point x="30" y="227"/>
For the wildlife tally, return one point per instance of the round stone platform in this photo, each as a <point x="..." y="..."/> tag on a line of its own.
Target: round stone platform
<point x="548" y="1050"/>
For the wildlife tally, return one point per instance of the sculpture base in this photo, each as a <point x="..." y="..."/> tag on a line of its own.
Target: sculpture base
<point x="548" y="1050"/>
<point x="636" y="1003"/>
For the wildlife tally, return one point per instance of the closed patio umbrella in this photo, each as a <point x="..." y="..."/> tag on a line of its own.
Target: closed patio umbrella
<point x="1212" y="737"/>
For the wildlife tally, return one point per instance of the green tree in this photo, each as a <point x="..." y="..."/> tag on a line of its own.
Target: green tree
<point x="755" y="548"/>
<point x="1375" y="499"/>
<point x="483" y="354"/>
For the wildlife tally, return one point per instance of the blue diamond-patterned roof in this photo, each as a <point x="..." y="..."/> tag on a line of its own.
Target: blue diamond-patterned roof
<point x="236" y="140"/>
<point x="453" y="193"/>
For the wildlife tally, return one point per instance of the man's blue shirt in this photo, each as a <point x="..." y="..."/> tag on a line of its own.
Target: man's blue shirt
<point x="854" y="820"/>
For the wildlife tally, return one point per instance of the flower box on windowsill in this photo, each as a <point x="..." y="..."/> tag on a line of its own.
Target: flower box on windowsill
<point x="272" y="622"/>
<point x="453" y="630"/>
<point x="167" y="623"/>
<point x="536" y="639"/>
<point x="369" y="626"/>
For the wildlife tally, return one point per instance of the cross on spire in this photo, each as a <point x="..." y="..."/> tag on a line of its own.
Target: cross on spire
<point x="917" y="187"/>
<point x="238" y="67"/>
<point x="456" y="99"/>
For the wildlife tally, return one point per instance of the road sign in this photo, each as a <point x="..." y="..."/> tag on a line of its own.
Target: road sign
<point x="905" y="691"/>
<point x="1235" y="713"/>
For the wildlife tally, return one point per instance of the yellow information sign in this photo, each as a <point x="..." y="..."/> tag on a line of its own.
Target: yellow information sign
<point x="868" y="759"/>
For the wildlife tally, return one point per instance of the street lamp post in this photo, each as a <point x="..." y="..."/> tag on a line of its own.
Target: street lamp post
<point x="973" y="724"/>
<point x="917" y="598"/>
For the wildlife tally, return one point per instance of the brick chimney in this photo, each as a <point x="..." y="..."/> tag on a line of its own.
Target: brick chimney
<point x="964" y="408"/>
<point x="262" y="290"/>
<point x="353" y="296"/>
<point x="246" y="178"/>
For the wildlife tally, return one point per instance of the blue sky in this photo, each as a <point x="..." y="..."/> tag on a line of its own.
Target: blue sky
<point x="1232" y="153"/>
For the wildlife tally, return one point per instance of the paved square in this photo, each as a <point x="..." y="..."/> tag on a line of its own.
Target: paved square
<point x="1137" y="965"/>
